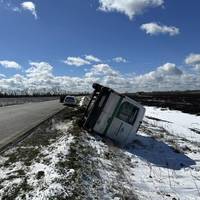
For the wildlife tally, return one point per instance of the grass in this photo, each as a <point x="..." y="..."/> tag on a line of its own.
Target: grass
<point x="160" y="133"/>
<point x="22" y="154"/>
<point x="27" y="152"/>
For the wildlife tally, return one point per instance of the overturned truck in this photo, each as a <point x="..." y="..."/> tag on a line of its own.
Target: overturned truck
<point x="113" y="115"/>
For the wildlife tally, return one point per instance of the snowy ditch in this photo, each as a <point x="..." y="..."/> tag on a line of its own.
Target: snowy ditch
<point x="162" y="163"/>
<point x="40" y="180"/>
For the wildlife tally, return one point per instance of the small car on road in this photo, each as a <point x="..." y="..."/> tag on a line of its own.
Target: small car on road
<point x="70" y="101"/>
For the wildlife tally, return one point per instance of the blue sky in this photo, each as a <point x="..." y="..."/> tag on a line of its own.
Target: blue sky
<point x="144" y="36"/>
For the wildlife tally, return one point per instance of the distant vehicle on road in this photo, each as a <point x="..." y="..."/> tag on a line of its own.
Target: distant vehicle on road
<point x="70" y="101"/>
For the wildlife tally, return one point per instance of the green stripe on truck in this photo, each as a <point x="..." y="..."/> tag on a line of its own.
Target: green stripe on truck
<point x="110" y="120"/>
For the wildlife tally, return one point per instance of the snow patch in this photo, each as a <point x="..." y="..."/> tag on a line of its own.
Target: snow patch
<point x="43" y="175"/>
<point x="179" y="124"/>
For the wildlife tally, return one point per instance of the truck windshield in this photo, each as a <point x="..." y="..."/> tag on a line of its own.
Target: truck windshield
<point x="127" y="113"/>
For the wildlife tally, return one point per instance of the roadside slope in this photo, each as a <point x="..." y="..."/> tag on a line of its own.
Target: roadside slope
<point x="61" y="161"/>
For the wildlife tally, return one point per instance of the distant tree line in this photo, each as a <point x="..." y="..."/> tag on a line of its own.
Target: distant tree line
<point x="11" y="94"/>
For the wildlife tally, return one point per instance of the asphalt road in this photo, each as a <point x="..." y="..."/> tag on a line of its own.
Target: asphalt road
<point x="18" y="119"/>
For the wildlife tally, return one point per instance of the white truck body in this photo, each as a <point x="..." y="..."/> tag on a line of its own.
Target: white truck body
<point x="113" y="115"/>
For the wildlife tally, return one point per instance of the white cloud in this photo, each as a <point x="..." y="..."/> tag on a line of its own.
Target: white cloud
<point x="10" y="64"/>
<point x="39" y="77"/>
<point x="156" y="29"/>
<point x="169" y="69"/>
<point x="30" y="6"/>
<point x="15" y="83"/>
<point x="39" y="70"/>
<point x="120" y="60"/>
<point x="128" y="7"/>
<point x="193" y="60"/>
<point x="2" y="76"/>
<point x="106" y="75"/>
<point x="92" y="58"/>
<point x="76" y="61"/>
<point x="166" y="77"/>
<point x="101" y="70"/>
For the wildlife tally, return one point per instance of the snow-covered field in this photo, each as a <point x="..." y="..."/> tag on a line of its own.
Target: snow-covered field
<point x="162" y="163"/>
<point x="168" y="167"/>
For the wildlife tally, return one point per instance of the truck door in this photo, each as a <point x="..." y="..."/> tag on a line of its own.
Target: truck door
<point x="123" y="122"/>
<point x="107" y="112"/>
